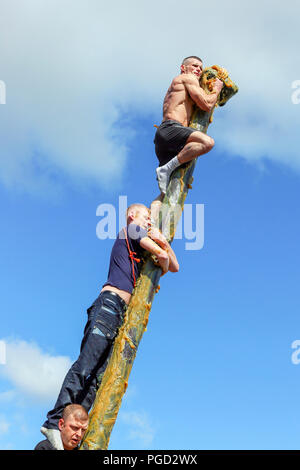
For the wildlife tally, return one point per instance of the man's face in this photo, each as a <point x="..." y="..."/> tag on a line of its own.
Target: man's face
<point x="72" y="430"/>
<point x="193" y="66"/>
<point x="142" y="218"/>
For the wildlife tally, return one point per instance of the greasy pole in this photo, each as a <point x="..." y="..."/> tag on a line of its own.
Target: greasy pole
<point x="115" y="379"/>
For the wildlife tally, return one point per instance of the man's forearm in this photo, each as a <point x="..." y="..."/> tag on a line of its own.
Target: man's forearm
<point x="164" y="261"/>
<point x="211" y="100"/>
<point x="173" y="263"/>
<point x="160" y="240"/>
<point x="161" y="255"/>
<point x="213" y="97"/>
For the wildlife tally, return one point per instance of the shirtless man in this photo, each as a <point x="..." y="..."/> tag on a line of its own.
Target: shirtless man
<point x="175" y="143"/>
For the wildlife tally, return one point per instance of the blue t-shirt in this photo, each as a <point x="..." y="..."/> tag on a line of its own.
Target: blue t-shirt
<point x="120" y="267"/>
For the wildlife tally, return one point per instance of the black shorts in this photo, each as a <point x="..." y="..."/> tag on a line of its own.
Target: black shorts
<point x="170" y="138"/>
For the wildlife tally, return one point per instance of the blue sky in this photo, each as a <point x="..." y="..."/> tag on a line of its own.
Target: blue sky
<point x="214" y="369"/>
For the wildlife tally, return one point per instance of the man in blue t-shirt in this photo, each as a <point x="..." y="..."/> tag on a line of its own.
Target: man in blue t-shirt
<point x="106" y="314"/>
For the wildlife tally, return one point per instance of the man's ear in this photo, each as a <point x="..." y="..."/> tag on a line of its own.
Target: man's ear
<point x="131" y="215"/>
<point x="61" y="423"/>
<point x="182" y="68"/>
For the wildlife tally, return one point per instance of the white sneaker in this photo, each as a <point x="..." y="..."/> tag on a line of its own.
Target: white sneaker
<point x="53" y="436"/>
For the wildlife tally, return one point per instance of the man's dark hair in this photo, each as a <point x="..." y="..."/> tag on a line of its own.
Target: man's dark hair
<point x="190" y="57"/>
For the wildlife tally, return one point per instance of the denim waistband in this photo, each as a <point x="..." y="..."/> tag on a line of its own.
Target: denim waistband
<point x="110" y="293"/>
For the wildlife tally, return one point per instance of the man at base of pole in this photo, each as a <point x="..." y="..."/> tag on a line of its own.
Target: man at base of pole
<point x="72" y="426"/>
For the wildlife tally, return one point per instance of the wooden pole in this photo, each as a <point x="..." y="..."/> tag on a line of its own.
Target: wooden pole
<point x="115" y="379"/>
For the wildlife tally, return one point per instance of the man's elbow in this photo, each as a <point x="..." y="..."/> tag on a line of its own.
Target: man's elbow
<point x="174" y="268"/>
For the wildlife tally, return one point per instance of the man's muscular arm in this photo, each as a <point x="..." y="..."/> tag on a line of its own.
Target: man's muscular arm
<point x="162" y="256"/>
<point x="161" y="240"/>
<point x="202" y="99"/>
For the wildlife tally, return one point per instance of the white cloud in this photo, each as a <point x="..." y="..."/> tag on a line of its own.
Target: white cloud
<point x="4" y="425"/>
<point x="33" y="372"/>
<point x="72" y="68"/>
<point x="140" y="429"/>
<point x="7" y="396"/>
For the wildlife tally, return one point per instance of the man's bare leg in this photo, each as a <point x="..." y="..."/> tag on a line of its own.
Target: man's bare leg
<point x="197" y="144"/>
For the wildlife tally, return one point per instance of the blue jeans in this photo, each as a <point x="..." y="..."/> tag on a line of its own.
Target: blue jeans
<point x="105" y="316"/>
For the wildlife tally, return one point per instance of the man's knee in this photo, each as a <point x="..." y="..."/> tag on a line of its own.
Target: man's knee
<point x="209" y="143"/>
<point x="199" y="138"/>
<point x="205" y="146"/>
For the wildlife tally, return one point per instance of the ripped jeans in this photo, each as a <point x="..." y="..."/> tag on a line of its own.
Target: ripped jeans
<point x="105" y="316"/>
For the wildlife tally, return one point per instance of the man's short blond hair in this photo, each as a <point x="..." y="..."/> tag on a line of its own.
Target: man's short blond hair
<point x="78" y="411"/>
<point x="136" y="207"/>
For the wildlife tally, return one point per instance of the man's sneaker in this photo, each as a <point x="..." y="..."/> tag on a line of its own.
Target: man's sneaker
<point x="162" y="176"/>
<point x="53" y="436"/>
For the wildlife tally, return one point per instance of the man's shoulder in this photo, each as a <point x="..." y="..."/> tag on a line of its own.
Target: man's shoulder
<point x="184" y="80"/>
<point x="190" y="78"/>
<point x="179" y="80"/>
<point x="44" y="445"/>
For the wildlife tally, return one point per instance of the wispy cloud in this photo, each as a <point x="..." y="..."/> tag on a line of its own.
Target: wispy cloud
<point x="140" y="429"/>
<point x="4" y="425"/>
<point x="7" y="396"/>
<point x="73" y="68"/>
<point x="32" y="372"/>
